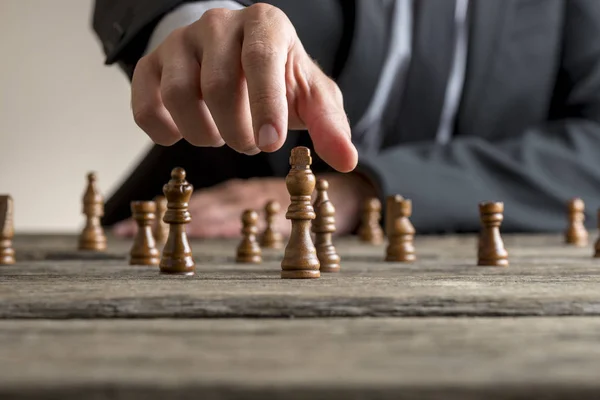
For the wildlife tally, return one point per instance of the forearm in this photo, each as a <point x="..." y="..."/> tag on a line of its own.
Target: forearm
<point x="534" y="175"/>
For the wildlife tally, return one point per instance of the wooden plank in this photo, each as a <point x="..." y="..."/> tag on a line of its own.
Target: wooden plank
<point x="341" y="358"/>
<point x="545" y="278"/>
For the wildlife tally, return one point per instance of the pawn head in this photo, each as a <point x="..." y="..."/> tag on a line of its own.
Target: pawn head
<point x="249" y="217"/>
<point x="272" y="207"/>
<point x="178" y="174"/>
<point x="322" y="184"/>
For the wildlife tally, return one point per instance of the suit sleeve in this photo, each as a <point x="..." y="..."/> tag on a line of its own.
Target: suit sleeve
<point x="124" y="27"/>
<point x="534" y="174"/>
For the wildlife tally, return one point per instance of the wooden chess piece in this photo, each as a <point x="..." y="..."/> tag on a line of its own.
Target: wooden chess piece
<point x="597" y="244"/>
<point x="401" y="232"/>
<point x="144" y="251"/>
<point x="370" y="229"/>
<point x="177" y="254"/>
<point x="7" y="230"/>
<point x="271" y="238"/>
<point x="576" y="234"/>
<point x="161" y="228"/>
<point x="300" y="259"/>
<point x="248" y="250"/>
<point x="324" y="226"/>
<point x="92" y="236"/>
<point x="491" y="247"/>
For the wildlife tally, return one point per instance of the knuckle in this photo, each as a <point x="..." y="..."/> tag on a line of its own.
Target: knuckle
<point x="214" y="19"/>
<point x="258" y="53"/>
<point x="143" y="114"/>
<point x="176" y="93"/>
<point x="267" y="98"/>
<point x="217" y="85"/>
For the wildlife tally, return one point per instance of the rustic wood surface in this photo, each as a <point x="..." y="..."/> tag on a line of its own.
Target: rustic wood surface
<point x="545" y="278"/>
<point x="79" y="325"/>
<point x="446" y="358"/>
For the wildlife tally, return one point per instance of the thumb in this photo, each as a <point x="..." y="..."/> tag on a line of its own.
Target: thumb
<point x="321" y="107"/>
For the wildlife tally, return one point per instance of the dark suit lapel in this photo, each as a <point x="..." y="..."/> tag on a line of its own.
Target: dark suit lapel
<point x="488" y="20"/>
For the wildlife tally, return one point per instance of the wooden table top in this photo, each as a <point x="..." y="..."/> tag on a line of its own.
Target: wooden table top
<point x="81" y="325"/>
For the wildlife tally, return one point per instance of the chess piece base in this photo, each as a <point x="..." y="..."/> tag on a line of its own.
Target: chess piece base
<point x="179" y="266"/>
<point x="96" y="245"/>
<point x="493" y="263"/>
<point x="249" y="259"/>
<point x="150" y="261"/>
<point x="300" y="274"/>
<point x="406" y="258"/>
<point x="7" y="257"/>
<point x="330" y="268"/>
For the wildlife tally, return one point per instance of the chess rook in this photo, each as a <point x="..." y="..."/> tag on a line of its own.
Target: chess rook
<point x="161" y="228"/>
<point x="323" y="227"/>
<point x="401" y="232"/>
<point x="7" y="232"/>
<point x="144" y="251"/>
<point x="576" y="234"/>
<point x="248" y="250"/>
<point x="491" y="251"/>
<point x="92" y="236"/>
<point x="300" y="259"/>
<point x="597" y="244"/>
<point x="270" y="238"/>
<point x="370" y="229"/>
<point x="177" y="254"/>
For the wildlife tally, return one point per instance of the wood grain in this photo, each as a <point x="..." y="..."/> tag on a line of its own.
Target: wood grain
<point x="546" y="278"/>
<point x="383" y="358"/>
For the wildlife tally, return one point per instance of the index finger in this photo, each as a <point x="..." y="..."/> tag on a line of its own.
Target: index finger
<point x="268" y="37"/>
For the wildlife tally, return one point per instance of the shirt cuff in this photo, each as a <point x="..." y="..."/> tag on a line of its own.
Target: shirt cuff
<point x="184" y="15"/>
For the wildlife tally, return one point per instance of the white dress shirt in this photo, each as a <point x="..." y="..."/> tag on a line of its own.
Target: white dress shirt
<point x="395" y="65"/>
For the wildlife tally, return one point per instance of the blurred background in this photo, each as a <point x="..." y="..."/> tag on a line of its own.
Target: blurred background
<point x="63" y="113"/>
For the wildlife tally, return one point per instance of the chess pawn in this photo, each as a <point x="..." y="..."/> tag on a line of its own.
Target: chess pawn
<point x="576" y="234"/>
<point x="144" y="251"/>
<point x="161" y="228"/>
<point x="324" y="226"/>
<point x="597" y="244"/>
<point x="491" y="247"/>
<point x="92" y="236"/>
<point x="248" y="250"/>
<point x="370" y="230"/>
<point x="271" y="238"/>
<point x="401" y="232"/>
<point x="177" y="254"/>
<point x="300" y="259"/>
<point x="7" y="232"/>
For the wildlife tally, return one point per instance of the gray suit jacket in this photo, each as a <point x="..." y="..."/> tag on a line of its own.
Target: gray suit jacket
<point x="528" y="127"/>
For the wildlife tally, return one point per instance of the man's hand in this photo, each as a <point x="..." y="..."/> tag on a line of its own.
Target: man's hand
<point x="241" y="78"/>
<point x="216" y="212"/>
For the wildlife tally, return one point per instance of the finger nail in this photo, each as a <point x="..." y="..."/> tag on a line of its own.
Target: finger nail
<point x="267" y="135"/>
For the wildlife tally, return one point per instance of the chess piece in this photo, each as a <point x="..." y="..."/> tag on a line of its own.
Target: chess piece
<point x="370" y="230"/>
<point x="7" y="232"/>
<point x="324" y="226"/>
<point x="576" y="234"/>
<point x="92" y="236"/>
<point x="300" y="259"/>
<point x="144" y="251"/>
<point x="390" y="203"/>
<point x="177" y="254"/>
<point x="491" y="247"/>
<point x="248" y="250"/>
<point x="271" y="238"/>
<point x="401" y="232"/>
<point x="161" y="228"/>
<point x="597" y="244"/>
